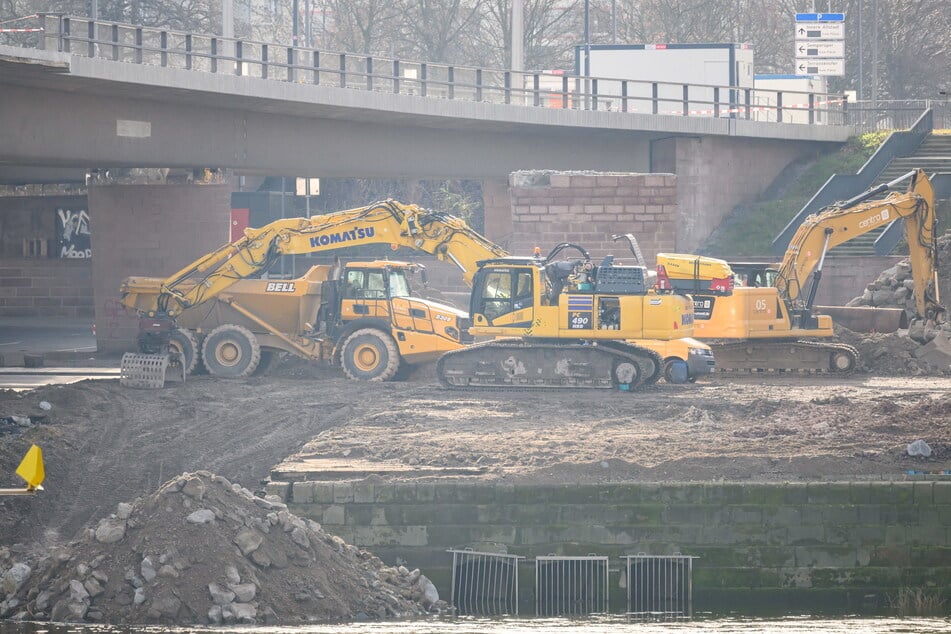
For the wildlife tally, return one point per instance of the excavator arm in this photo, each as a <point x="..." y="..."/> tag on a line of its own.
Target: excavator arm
<point x="440" y="234"/>
<point x="845" y="221"/>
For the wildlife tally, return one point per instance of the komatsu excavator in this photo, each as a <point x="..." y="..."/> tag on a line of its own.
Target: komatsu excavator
<point x="566" y="321"/>
<point x="770" y="324"/>
<point x="559" y="322"/>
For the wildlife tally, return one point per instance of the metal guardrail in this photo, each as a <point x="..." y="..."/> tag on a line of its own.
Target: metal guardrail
<point x="900" y="114"/>
<point x="137" y="44"/>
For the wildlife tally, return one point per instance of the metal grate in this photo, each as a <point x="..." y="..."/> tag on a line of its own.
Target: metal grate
<point x="484" y="584"/>
<point x="571" y="586"/>
<point x="659" y="587"/>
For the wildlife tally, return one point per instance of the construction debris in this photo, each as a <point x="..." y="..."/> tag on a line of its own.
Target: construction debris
<point x="202" y="550"/>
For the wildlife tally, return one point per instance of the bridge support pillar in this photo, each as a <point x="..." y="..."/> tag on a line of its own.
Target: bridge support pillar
<point x="715" y="174"/>
<point x="497" y="204"/>
<point x="150" y="230"/>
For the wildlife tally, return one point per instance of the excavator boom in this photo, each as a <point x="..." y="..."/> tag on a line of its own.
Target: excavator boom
<point x="845" y="221"/>
<point x="440" y="234"/>
<point x="769" y="324"/>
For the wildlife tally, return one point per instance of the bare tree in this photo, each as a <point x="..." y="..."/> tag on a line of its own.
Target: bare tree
<point x="432" y="30"/>
<point x="914" y="48"/>
<point x="551" y="30"/>
<point x="364" y="26"/>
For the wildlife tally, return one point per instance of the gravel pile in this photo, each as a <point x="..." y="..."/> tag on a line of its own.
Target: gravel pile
<point x="201" y="550"/>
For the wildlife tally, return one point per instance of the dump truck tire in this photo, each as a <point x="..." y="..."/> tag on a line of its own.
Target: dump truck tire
<point x="185" y="343"/>
<point x="231" y="351"/>
<point x="670" y="371"/>
<point x="370" y="355"/>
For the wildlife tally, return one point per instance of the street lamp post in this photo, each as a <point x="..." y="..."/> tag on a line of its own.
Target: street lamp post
<point x="518" y="37"/>
<point x="587" y="42"/>
<point x="295" y="27"/>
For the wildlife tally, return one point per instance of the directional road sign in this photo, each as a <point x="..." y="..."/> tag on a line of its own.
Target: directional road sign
<point x="820" y="48"/>
<point x="820" y="30"/>
<point x="820" y="17"/>
<point x="828" y="67"/>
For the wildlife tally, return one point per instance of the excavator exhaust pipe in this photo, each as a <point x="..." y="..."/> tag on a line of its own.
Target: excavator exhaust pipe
<point x="866" y="319"/>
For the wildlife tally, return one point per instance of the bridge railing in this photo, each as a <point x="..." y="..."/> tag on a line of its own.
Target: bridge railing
<point x="135" y="44"/>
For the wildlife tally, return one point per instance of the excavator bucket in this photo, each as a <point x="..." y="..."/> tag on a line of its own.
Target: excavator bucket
<point x="31" y="468"/>
<point x="149" y="371"/>
<point x="866" y="319"/>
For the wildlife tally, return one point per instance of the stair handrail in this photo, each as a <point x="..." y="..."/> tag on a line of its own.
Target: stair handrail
<point x="844" y="186"/>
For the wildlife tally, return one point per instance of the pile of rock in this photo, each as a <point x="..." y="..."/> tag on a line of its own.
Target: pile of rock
<point x="925" y="348"/>
<point x="203" y="551"/>
<point x="895" y="288"/>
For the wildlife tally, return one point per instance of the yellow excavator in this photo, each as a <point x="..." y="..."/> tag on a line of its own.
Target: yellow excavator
<point x="570" y="317"/>
<point x="769" y="323"/>
<point x="31" y="471"/>
<point x="559" y="322"/>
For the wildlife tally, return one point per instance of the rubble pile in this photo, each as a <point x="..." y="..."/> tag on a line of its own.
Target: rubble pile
<point x="894" y="287"/>
<point x="896" y="354"/>
<point x="201" y="550"/>
<point x="923" y="349"/>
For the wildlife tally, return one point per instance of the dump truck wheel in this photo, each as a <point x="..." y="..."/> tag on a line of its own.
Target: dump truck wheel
<point x="231" y="351"/>
<point x="370" y="355"/>
<point x="184" y="342"/>
<point x="669" y="365"/>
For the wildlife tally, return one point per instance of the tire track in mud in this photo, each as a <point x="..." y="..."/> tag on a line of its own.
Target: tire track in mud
<point x="105" y="444"/>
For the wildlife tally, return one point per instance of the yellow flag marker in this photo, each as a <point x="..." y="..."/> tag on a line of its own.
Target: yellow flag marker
<point x="31" y="470"/>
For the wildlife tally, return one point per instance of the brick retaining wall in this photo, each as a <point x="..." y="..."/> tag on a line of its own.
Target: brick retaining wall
<point x="587" y="208"/>
<point x="763" y="548"/>
<point x="45" y="288"/>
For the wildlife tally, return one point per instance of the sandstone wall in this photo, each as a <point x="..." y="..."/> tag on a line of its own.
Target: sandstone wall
<point x="760" y="547"/>
<point x="589" y="208"/>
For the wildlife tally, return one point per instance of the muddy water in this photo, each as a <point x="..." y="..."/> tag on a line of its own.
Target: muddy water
<point x="603" y="625"/>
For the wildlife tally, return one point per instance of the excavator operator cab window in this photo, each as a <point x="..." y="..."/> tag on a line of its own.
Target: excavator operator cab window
<point x="503" y="291"/>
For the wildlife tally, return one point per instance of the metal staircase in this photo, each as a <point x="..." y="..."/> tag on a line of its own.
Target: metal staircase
<point x="933" y="156"/>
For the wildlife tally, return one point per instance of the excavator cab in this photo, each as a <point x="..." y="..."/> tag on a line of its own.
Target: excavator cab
<point x="754" y="274"/>
<point x="504" y="294"/>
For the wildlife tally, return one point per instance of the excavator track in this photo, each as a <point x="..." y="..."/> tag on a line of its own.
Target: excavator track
<point x="816" y="357"/>
<point x="516" y="364"/>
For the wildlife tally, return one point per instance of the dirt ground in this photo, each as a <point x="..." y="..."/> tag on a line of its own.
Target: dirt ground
<point x="105" y="444"/>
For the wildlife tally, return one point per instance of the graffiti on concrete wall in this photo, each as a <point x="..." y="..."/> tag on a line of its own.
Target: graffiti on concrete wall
<point x="72" y="228"/>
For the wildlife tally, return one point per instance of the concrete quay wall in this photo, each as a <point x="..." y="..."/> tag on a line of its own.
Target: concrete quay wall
<point x="761" y="547"/>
